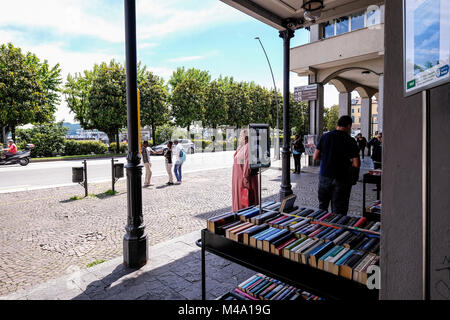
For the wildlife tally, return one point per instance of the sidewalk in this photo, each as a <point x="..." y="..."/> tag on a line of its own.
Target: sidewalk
<point x="173" y="272"/>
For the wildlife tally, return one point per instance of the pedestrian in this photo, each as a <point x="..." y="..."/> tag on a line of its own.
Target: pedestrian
<point x="168" y="155"/>
<point x="371" y="142"/>
<point x="339" y="166"/>
<point x="179" y="157"/>
<point x="146" y="152"/>
<point x="297" y="149"/>
<point x="362" y="144"/>
<point x="377" y="151"/>
<point x="244" y="184"/>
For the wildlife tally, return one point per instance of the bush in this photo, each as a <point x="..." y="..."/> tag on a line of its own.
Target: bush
<point x="74" y="147"/>
<point x="48" y="139"/>
<point x="123" y="147"/>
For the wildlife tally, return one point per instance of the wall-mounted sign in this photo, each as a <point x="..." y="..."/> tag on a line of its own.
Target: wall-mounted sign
<point x="310" y="142"/>
<point x="259" y="145"/>
<point x="426" y="44"/>
<point x="305" y="93"/>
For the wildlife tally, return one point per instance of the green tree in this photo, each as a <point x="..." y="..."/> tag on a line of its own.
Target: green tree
<point x="260" y="104"/>
<point x="187" y="102"/>
<point x="98" y="98"/>
<point x="331" y="116"/>
<point x="239" y="103"/>
<point x="28" y="88"/>
<point x="154" y="102"/>
<point x="216" y="107"/>
<point x="181" y="73"/>
<point x="299" y="119"/>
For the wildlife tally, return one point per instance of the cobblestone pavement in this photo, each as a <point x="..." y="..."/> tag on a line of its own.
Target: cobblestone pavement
<point x="44" y="234"/>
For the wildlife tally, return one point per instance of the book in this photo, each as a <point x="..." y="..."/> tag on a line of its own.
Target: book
<point x="259" y="219"/>
<point x="266" y="242"/>
<point x="317" y="254"/>
<point x="278" y="248"/>
<point x="335" y="268"/>
<point x="304" y="255"/>
<point x="330" y="265"/>
<point x="253" y="238"/>
<point x="252" y="231"/>
<point x="221" y="230"/>
<point x="346" y="269"/>
<point x="238" y="235"/>
<point x="236" y="227"/>
<point x="328" y="256"/>
<point x="213" y="223"/>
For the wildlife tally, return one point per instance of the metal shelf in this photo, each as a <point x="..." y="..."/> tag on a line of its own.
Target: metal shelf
<point x="313" y="280"/>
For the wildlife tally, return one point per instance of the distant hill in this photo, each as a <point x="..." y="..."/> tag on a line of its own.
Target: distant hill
<point x="73" y="127"/>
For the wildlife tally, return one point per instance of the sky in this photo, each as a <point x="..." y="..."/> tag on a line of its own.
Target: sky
<point x="207" y="35"/>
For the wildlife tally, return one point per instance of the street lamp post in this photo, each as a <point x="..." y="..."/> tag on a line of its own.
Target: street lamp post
<point x="135" y="250"/>
<point x="277" y="133"/>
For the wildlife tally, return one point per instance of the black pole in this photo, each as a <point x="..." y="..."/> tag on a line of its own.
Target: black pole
<point x="112" y="173"/>
<point x="286" y="188"/>
<point x="135" y="249"/>
<point x="85" y="179"/>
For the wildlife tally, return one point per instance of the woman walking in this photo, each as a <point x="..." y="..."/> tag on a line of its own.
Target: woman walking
<point x="168" y="156"/>
<point x="297" y="150"/>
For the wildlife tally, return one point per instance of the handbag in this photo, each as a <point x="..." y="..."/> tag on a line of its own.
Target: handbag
<point x="244" y="197"/>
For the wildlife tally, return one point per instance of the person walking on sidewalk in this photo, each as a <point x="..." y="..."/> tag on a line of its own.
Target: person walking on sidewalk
<point x="146" y="152"/>
<point x="297" y="150"/>
<point x="377" y="151"/>
<point x="168" y="156"/>
<point x="339" y="166"/>
<point x="362" y="144"/>
<point x="179" y="156"/>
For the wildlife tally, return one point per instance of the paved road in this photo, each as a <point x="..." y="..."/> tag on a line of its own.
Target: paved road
<point x="59" y="173"/>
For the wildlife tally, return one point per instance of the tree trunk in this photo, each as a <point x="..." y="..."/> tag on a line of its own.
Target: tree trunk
<point x="153" y="133"/>
<point x="13" y="133"/>
<point x="117" y="142"/>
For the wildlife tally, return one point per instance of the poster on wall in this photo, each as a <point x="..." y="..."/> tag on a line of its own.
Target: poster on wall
<point x="426" y="44"/>
<point x="310" y="142"/>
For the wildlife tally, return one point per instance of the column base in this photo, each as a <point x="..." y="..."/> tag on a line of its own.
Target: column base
<point x="135" y="251"/>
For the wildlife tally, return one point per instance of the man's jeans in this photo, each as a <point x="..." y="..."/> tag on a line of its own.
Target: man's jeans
<point x="177" y="171"/>
<point x="338" y="192"/>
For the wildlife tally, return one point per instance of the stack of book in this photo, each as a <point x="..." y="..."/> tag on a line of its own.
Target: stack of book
<point x="375" y="207"/>
<point x="342" y="245"/>
<point x="261" y="287"/>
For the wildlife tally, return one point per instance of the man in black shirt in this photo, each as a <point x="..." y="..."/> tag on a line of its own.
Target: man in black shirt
<point x="339" y="166"/>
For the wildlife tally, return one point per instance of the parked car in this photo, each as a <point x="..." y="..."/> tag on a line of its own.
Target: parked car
<point x="187" y="144"/>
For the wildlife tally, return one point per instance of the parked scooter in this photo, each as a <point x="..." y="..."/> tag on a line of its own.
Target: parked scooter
<point x="22" y="158"/>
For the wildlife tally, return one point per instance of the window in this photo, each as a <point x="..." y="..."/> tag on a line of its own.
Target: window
<point x="328" y="29"/>
<point x="373" y="17"/>
<point x="353" y="110"/>
<point x="359" y="120"/>
<point x="357" y="21"/>
<point x="359" y="109"/>
<point x="342" y="25"/>
<point x="353" y="119"/>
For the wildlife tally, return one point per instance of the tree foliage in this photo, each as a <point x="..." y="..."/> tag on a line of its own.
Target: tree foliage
<point x="188" y="102"/>
<point x="47" y="138"/>
<point x="29" y="88"/>
<point x="216" y="107"/>
<point x="331" y="117"/>
<point x="98" y="98"/>
<point x="154" y="102"/>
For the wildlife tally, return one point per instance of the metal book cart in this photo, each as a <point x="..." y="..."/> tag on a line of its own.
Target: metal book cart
<point x="313" y="280"/>
<point x="371" y="179"/>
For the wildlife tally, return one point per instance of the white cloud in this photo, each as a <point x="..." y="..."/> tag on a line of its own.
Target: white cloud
<point x="61" y="16"/>
<point x="156" y="19"/>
